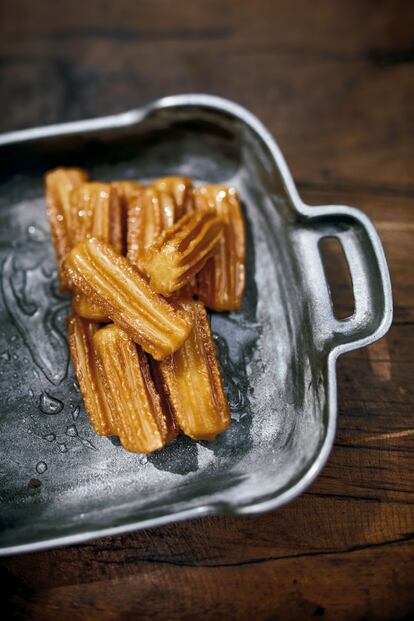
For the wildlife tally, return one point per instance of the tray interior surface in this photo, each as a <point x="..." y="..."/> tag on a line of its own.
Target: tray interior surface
<point x="57" y="478"/>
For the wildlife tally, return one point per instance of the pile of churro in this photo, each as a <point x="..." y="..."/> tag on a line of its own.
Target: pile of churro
<point x="143" y="263"/>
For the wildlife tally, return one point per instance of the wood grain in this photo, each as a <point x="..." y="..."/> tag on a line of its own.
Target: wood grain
<point x="334" y="81"/>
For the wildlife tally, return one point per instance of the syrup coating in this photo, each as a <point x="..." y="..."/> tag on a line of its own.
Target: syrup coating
<point x="155" y="210"/>
<point x="118" y="289"/>
<point x="95" y="212"/>
<point x="127" y="191"/>
<point x="180" y="252"/>
<point x="192" y="381"/>
<point x="81" y="333"/>
<point x="59" y="184"/>
<point x="139" y="419"/>
<point x="222" y="280"/>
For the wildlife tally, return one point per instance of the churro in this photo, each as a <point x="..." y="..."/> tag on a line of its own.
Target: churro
<point x="191" y="379"/>
<point x="59" y="185"/>
<point x="127" y="191"/>
<point x="180" y="252"/>
<point x="81" y="333"/>
<point x="139" y="419"/>
<point x="180" y="189"/>
<point x="95" y="212"/>
<point x="155" y="210"/>
<point x="222" y="280"/>
<point x="118" y="289"/>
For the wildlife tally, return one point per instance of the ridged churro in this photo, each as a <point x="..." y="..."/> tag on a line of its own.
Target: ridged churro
<point x="139" y="419"/>
<point x="147" y="217"/>
<point x="95" y="212"/>
<point x="180" y="189"/>
<point x="222" y="280"/>
<point x="155" y="210"/>
<point x="59" y="185"/>
<point x="191" y="379"/>
<point x="180" y="252"/>
<point x="81" y="333"/>
<point x="118" y="289"/>
<point x="127" y="191"/>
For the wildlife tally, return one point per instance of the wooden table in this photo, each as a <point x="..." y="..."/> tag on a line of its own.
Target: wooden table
<point x="334" y="82"/>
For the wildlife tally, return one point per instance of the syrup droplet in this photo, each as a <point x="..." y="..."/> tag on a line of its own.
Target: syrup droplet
<point x="143" y="460"/>
<point x="50" y="437"/>
<point x="35" y="233"/>
<point x="71" y="431"/>
<point x="63" y="448"/>
<point x="75" y="413"/>
<point x="41" y="467"/>
<point x="50" y="405"/>
<point x="5" y="356"/>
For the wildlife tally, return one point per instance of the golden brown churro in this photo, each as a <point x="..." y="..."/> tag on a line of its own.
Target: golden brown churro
<point x="155" y="210"/>
<point x="222" y="280"/>
<point x="59" y="185"/>
<point x="192" y="381"/>
<point x="180" y="252"/>
<point x="127" y="191"/>
<point x="81" y="333"/>
<point x="125" y="373"/>
<point x="147" y="218"/>
<point x="179" y="189"/>
<point x="95" y="212"/>
<point x="115" y="285"/>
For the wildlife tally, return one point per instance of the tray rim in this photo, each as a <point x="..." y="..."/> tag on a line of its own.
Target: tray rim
<point x="133" y="117"/>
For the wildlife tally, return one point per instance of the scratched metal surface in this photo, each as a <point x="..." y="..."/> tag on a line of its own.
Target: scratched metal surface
<point x="61" y="483"/>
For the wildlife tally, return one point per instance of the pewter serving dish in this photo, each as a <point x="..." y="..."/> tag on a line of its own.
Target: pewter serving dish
<point x="59" y="482"/>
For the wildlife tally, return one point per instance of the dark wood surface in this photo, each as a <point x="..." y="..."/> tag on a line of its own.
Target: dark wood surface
<point x="334" y="82"/>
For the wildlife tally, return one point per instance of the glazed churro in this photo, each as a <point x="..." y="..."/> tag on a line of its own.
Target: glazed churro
<point x="127" y="191"/>
<point x="222" y="280"/>
<point x="140" y="422"/>
<point x="148" y="215"/>
<point x="180" y="252"/>
<point x="155" y="210"/>
<point x="191" y="379"/>
<point x="117" y="288"/>
<point x="95" y="212"/>
<point x="81" y="333"/>
<point x="179" y="189"/>
<point x="59" y="185"/>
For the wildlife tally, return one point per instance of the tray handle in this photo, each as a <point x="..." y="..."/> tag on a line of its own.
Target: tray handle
<point x="369" y="273"/>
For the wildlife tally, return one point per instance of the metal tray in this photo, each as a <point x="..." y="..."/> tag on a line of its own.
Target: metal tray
<point x="60" y="483"/>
